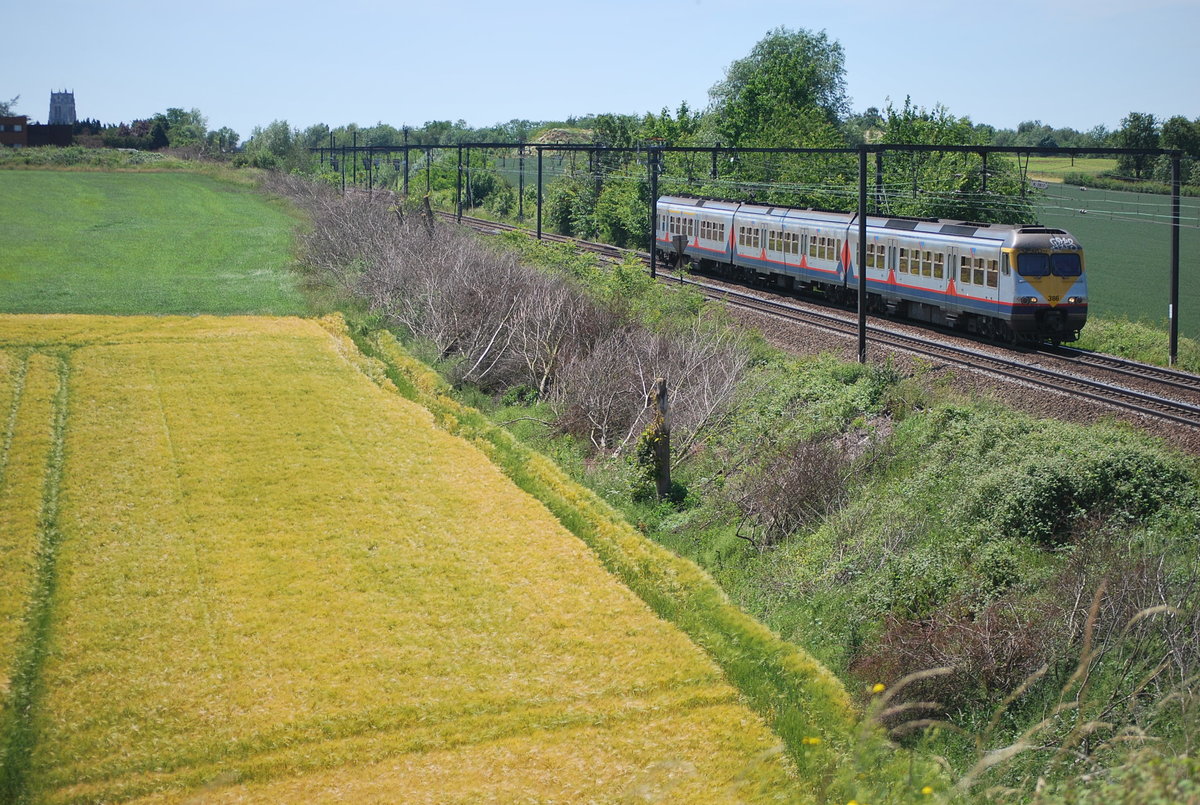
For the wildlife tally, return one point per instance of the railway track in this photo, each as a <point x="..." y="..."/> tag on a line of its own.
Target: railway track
<point x="1160" y="393"/>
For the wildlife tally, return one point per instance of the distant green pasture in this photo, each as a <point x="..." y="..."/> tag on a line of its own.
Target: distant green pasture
<point x="1126" y="242"/>
<point x="1053" y="169"/>
<point x="125" y="243"/>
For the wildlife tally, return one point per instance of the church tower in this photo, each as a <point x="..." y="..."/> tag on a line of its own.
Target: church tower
<point x="62" y="108"/>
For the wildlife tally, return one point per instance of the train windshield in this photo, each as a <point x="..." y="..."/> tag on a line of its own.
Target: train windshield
<point x="1066" y="264"/>
<point x="1033" y="264"/>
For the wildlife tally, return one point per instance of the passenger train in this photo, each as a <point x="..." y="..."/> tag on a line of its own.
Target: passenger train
<point x="1010" y="283"/>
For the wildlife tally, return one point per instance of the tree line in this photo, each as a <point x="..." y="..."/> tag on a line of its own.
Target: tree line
<point x="789" y="91"/>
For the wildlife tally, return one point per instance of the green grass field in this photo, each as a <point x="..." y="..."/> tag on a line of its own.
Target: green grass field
<point x="124" y="243"/>
<point x="1053" y="169"/>
<point x="1126" y="241"/>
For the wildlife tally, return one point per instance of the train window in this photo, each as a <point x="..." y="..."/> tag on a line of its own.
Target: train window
<point x="772" y="240"/>
<point x="876" y="253"/>
<point x="721" y="229"/>
<point x="926" y="264"/>
<point x="964" y="271"/>
<point x="1004" y="267"/>
<point x="757" y="238"/>
<point x="978" y="271"/>
<point x="993" y="273"/>
<point x="903" y="260"/>
<point x="1066" y="265"/>
<point x="938" y="266"/>
<point x="1033" y="264"/>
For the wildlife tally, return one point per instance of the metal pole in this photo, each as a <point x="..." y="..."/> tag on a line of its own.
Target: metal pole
<point x="862" y="254"/>
<point x="539" y="223"/>
<point x="428" y="171"/>
<point x="1175" y="170"/>
<point x="652" y="166"/>
<point x="521" y="184"/>
<point x="355" y="174"/>
<point x="984" y="155"/>
<point x="343" y="169"/>
<point x="458" y="187"/>
<point x="878" y="183"/>
<point x="406" y="161"/>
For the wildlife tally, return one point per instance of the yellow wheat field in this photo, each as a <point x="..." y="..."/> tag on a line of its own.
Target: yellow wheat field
<point x="274" y="580"/>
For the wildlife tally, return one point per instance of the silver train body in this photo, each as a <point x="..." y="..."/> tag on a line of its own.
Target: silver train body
<point x="997" y="280"/>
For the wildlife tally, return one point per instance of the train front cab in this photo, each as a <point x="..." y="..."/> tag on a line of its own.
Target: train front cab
<point x="1050" y="291"/>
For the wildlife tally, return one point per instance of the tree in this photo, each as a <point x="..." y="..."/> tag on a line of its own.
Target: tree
<point x="948" y="185"/>
<point x="1138" y="130"/>
<point x="1181" y="134"/>
<point x="158" y="135"/>
<point x="276" y="146"/>
<point x="790" y="90"/>
<point x="223" y="140"/>
<point x="7" y="107"/>
<point x="184" y="128"/>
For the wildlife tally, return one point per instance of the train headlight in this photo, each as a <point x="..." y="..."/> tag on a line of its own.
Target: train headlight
<point x="1076" y="300"/>
<point x="1027" y="300"/>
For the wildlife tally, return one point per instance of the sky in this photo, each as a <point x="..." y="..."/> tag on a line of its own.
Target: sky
<point x="1067" y="63"/>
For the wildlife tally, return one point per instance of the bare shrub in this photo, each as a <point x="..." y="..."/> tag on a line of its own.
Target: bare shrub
<point x="495" y="323"/>
<point x="1146" y="624"/>
<point x="603" y="395"/>
<point x="800" y="484"/>
<point x="989" y="653"/>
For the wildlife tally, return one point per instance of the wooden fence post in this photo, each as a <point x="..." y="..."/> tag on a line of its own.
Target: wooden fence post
<point x="662" y="440"/>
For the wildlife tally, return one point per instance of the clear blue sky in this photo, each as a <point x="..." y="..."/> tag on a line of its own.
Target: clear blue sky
<point x="1074" y="63"/>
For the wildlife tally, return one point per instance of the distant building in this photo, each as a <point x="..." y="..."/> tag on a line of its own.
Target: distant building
<point x="61" y="135"/>
<point x="62" y="109"/>
<point x="14" y="131"/>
